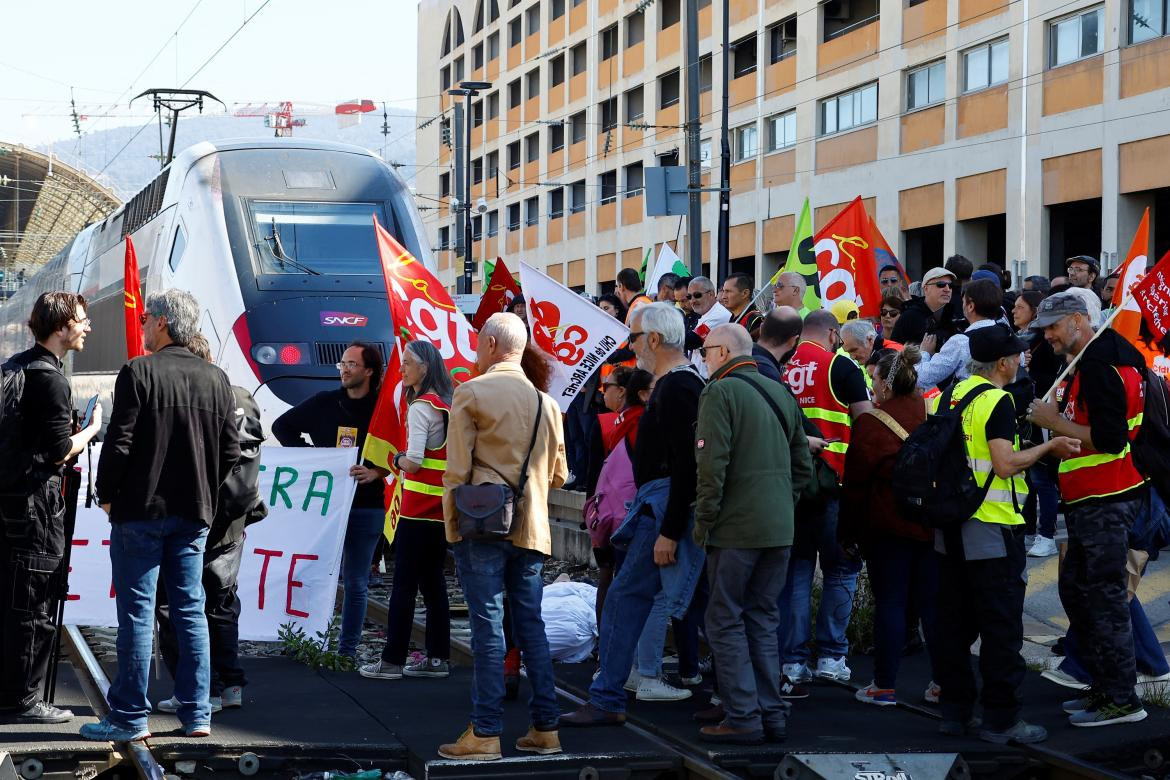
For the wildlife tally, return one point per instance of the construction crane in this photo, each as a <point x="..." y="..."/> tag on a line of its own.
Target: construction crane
<point x="279" y="116"/>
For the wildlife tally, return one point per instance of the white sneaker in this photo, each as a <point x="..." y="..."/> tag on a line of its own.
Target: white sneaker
<point x="1043" y="547"/>
<point x="171" y="705"/>
<point x="1148" y="684"/>
<point x="1063" y="678"/>
<point x="833" y="669"/>
<point x="232" y="698"/>
<point x="930" y="695"/>
<point x="656" y="689"/>
<point x="797" y="673"/>
<point x="690" y="682"/>
<point x="633" y="681"/>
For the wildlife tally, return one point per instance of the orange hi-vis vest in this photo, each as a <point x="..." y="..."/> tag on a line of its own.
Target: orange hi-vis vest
<point x="1094" y="474"/>
<point x="807" y="375"/>
<point x="422" y="491"/>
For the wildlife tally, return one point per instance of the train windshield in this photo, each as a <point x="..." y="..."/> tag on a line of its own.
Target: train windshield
<point x="316" y="238"/>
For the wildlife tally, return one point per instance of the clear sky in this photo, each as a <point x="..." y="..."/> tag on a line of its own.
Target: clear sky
<point x="313" y="53"/>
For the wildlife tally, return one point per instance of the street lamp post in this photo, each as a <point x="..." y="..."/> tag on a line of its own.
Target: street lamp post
<point x="468" y="89"/>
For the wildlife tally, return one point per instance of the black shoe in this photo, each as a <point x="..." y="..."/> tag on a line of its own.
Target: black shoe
<point x="41" y="712"/>
<point x="791" y="690"/>
<point x="588" y="715"/>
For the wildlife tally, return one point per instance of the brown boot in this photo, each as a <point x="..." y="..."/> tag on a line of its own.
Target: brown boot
<point x="542" y="742"/>
<point x="472" y="748"/>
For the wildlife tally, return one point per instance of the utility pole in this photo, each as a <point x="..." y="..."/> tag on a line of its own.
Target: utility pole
<point x="468" y="89"/>
<point x="694" y="183"/>
<point x="723" y="236"/>
<point x="461" y="186"/>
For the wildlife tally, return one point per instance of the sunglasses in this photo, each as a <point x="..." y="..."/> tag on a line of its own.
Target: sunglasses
<point x="941" y="285"/>
<point x="607" y="385"/>
<point x="890" y="312"/>
<point x="703" y="350"/>
<point x="891" y="281"/>
<point x="634" y="335"/>
<point x="697" y="296"/>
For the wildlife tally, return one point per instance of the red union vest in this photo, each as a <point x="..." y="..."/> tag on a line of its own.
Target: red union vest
<point x="1094" y="474"/>
<point x="422" y="491"/>
<point x="807" y="375"/>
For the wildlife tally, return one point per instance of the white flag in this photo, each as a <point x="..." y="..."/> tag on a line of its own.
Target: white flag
<point x="668" y="262"/>
<point x="578" y="335"/>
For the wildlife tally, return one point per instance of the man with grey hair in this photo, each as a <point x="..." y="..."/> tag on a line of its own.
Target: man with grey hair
<point x="708" y="311"/>
<point x="753" y="462"/>
<point x="661" y="555"/>
<point x="171" y="443"/>
<point x="789" y="291"/>
<point x="500" y="425"/>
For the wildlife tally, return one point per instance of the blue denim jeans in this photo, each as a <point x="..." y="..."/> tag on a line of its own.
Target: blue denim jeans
<point x="138" y="551"/>
<point x="361" y="538"/>
<point x="651" y="643"/>
<point x="838" y="586"/>
<point x="486" y="569"/>
<point x="1043" y="500"/>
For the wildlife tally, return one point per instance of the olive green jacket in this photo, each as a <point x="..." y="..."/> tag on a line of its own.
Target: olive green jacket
<point x="750" y="468"/>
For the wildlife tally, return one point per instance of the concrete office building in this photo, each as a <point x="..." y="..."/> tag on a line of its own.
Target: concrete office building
<point x="1005" y="130"/>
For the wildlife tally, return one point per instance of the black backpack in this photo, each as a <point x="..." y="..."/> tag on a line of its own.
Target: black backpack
<point x="1151" y="447"/>
<point x="238" y="495"/>
<point x="933" y="485"/>
<point x="16" y="461"/>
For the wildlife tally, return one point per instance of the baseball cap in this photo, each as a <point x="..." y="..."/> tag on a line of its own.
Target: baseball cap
<point x="994" y="342"/>
<point x="985" y="274"/>
<point x="843" y="309"/>
<point x="1054" y="308"/>
<point x="936" y="273"/>
<point x="1094" y="266"/>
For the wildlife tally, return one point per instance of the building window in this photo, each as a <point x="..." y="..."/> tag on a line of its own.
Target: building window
<point x="704" y="153"/>
<point x="743" y="56"/>
<point x="477" y="170"/>
<point x="926" y="86"/>
<point x="458" y="72"/>
<point x="852" y="109"/>
<point x="608" y="182"/>
<point x="577" y="3"/>
<point x="577" y="57"/>
<point x="477" y="56"/>
<point x="532" y="84"/>
<point x="668" y="89"/>
<point x="514" y="216"/>
<point x="531" y="211"/>
<point x="669" y="13"/>
<point x="477" y="113"/>
<point x="556" y="203"/>
<point x="668" y="158"/>
<point x="782" y="39"/>
<point x="577" y="127"/>
<point x="493" y="105"/>
<point x="609" y="114"/>
<point x="532" y="148"/>
<point x="985" y="65"/>
<point x="706" y="73"/>
<point x="515" y="33"/>
<point x="445" y="78"/>
<point x="532" y="20"/>
<point x="514" y="94"/>
<point x="1147" y="19"/>
<point x="842" y="17"/>
<point x="556" y="70"/>
<point x="444" y="237"/>
<point x="609" y="42"/>
<point x="635" y="29"/>
<point x="635" y="179"/>
<point x="444" y="185"/>
<point x="493" y="47"/>
<point x="513" y="155"/>
<point x="1075" y="37"/>
<point x="781" y="131"/>
<point x="557" y="9"/>
<point x="745" y="142"/>
<point x="635" y="108"/>
<point x="493" y="223"/>
<point x="493" y="165"/>
<point x="556" y="138"/>
<point x="476" y="227"/>
<point x="577" y="197"/>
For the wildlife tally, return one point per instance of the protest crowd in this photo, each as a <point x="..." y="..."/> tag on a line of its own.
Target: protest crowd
<point x="926" y="434"/>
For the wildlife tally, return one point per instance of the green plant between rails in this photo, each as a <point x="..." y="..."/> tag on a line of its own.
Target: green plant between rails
<point x="316" y="653"/>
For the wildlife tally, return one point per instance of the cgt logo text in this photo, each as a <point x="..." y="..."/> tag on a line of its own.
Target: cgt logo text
<point x="343" y="319"/>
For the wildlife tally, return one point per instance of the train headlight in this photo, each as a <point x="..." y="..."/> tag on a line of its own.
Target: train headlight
<point x="285" y="354"/>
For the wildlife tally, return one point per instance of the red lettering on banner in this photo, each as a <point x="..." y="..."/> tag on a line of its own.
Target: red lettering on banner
<point x="268" y="555"/>
<point x="547" y="328"/>
<point x="288" y="607"/>
<point x="76" y="543"/>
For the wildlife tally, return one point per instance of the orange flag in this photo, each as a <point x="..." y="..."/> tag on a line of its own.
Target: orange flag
<point x="133" y="308"/>
<point x="846" y="263"/>
<point x="1128" y="319"/>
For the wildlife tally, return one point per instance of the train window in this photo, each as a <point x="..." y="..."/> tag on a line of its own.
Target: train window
<point x="178" y="247"/>
<point x="303" y="237"/>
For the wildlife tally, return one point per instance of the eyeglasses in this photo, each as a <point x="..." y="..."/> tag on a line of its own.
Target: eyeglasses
<point x="890" y="281"/>
<point x="634" y="335"/>
<point x="703" y="350"/>
<point x="84" y="321"/>
<point x="941" y="285"/>
<point x="351" y="365"/>
<point x="607" y="385"/>
<point x="890" y="312"/>
<point x="697" y="296"/>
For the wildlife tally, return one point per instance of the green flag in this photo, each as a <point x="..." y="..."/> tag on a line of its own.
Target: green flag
<point x="645" y="262"/>
<point x="801" y="259"/>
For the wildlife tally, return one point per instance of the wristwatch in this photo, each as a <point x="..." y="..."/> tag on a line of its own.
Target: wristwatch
<point x="396" y="457"/>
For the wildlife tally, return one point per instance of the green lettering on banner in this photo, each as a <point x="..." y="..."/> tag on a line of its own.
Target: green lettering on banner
<point x="314" y="493"/>
<point x="279" y="487"/>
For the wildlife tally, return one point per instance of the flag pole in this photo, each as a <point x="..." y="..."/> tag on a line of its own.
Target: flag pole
<point x="1076" y="358"/>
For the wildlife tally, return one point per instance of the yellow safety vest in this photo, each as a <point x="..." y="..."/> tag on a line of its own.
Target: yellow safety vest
<point x="999" y="506"/>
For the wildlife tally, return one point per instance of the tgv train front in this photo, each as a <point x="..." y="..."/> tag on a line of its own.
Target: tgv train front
<point x="299" y="226"/>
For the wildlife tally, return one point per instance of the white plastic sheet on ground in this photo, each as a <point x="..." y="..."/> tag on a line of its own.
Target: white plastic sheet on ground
<point x="570" y="620"/>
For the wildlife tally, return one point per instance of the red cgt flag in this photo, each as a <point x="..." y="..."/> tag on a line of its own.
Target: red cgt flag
<point x="1152" y="294"/>
<point x="845" y="261"/>
<point x="132" y="303"/>
<point x="501" y="288"/>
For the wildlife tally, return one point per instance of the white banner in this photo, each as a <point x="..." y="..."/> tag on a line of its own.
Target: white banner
<point x="578" y="349"/>
<point x="668" y="263"/>
<point x="291" y="559"/>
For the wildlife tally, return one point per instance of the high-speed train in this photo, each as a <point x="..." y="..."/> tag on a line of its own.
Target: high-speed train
<point x="275" y="239"/>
